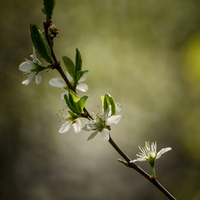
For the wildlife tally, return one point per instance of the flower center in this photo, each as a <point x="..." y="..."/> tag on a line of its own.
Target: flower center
<point x="101" y="124"/>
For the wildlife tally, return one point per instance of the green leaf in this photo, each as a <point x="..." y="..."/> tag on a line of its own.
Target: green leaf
<point x="40" y="43"/>
<point x="72" y="115"/>
<point x="113" y="105"/>
<point x="79" y="75"/>
<point x="81" y="103"/>
<point x="74" y="96"/>
<point x="107" y="101"/>
<point x="69" y="66"/>
<point x="70" y="104"/>
<point x="48" y="8"/>
<point x="74" y="103"/>
<point x="78" y="61"/>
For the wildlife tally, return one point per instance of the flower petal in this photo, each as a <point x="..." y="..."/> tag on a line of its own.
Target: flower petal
<point x="77" y="125"/>
<point x="162" y="151"/>
<point x="65" y="127"/>
<point x="29" y="79"/>
<point x="82" y="87"/>
<point x="35" y="59"/>
<point x="26" y="66"/>
<point x="90" y="126"/>
<point x="63" y="94"/>
<point x="114" y="119"/>
<point x="105" y="134"/>
<point x="138" y="159"/>
<point x="92" y="135"/>
<point x="57" y="82"/>
<point x="83" y="78"/>
<point x="118" y="107"/>
<point x="69" y="77"/>
<point x="38" y="79"/>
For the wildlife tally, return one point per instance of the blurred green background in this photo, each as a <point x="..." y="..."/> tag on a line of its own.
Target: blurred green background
<point x="146" y="54"/>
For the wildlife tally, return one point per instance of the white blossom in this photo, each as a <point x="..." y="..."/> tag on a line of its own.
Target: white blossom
<point x="70" y="120"/>
<point x="102" y="124"/>
<point x="29" y="69"/>
<point x="149" y="152"/>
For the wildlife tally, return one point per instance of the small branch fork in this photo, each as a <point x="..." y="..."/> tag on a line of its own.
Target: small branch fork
<point x="56" y="65"/>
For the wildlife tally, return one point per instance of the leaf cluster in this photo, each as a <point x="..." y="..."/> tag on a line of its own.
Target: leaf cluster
<point x="75" y="70"/>
<point x="75" y="103"/>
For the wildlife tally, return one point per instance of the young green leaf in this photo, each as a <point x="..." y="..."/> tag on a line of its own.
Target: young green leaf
<point x="73" y="96"/>
<point x="79" y="75"/>
<point x="69" y="66"/>
<point x="75" y="104"/>
<point x="107" y="101"/>
<point x="81" y="103"/>
<point x="40" y="43"/>
<point x="113" y="105"/>
<point x="48" y="8"/>
<point x="78" y="61"/>
<point x="70" y="104"/>
<point x="72" y="115"/>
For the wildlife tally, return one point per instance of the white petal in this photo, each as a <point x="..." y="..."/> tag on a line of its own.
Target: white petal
<point x="83" y="78"/>
<point x="105" y="134"/>
<point x="118" y="107"/>
<point x="85" y="128"/>
<point x="138" y="159"/>
<point x="57" y="82"/>
<point x="26" y="66"/>
<point x="162" y="151"/>
<point x="82" y="87"/>
<point x="35" y="60"/>
<point x="92" y="135"/>
<point x="38" y="79"/>
<point x="63" y="94"/>
<point x="90" y="126"/>
<point x="65" y="127"/>
<point x="69" y="77"/>
<point x="29" y="79"/>
<point x="114" y="119"/>
<point x="77" y="126"/>
<point x="34" y="56"/>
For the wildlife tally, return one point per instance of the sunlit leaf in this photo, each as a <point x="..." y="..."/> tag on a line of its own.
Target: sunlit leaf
<point x="79" y="75"/>
<point x="69" y="66"/>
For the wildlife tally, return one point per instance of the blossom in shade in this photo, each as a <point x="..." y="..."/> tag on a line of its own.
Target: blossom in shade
<point x="70" y="119"/>
<point x="31" y="69"/>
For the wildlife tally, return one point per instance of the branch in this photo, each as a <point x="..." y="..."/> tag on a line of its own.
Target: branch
<point x="88" y="116"/>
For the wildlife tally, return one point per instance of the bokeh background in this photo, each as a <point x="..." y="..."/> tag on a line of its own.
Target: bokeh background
<point x="146" y="54"/>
